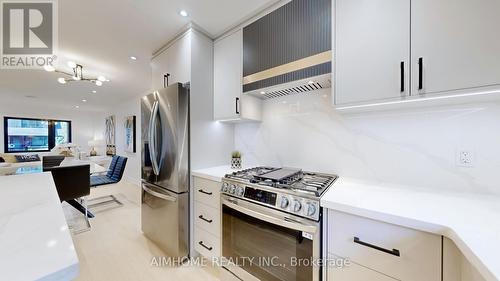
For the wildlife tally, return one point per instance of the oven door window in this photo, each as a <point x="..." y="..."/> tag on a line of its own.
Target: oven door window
<point x="272" y="248"/>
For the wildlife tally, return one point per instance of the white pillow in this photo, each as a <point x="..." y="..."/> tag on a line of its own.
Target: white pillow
<point x="5" y="165"/>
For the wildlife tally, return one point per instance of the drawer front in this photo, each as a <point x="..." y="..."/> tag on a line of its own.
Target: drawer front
<point x="207" y="244"/>
<point x="207" y="191"/>
<point x="419" y="252"/>
<point x="207" y="218"/>
<point x="355" y="272"/>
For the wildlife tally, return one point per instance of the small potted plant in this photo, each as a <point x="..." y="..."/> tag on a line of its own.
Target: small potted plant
<point x="236" y="160"/>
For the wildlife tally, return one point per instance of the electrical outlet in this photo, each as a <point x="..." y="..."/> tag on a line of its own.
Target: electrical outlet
<point x="465" y="158"/>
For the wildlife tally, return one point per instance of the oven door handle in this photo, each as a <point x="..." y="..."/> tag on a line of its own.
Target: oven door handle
<point x="286" y="222"/>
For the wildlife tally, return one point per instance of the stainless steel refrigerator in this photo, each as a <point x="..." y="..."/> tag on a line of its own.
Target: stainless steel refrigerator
<point x="165" y="169"/>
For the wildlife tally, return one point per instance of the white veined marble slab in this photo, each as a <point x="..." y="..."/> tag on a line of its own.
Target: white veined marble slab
<point x="35" y="242"/>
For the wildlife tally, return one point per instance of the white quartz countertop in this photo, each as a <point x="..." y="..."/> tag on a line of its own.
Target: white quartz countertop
<point x="471" y="221"/>
<point x="214" y="173"/>
<point x="35" y="242"/>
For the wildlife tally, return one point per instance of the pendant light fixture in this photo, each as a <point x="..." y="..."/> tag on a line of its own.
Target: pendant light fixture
<point x="77" y="74"/>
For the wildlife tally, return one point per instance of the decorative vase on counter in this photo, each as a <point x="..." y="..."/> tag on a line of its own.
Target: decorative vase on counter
<point x="236" y="160"/>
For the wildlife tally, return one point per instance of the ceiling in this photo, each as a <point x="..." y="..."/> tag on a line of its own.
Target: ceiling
<point x="102" y="35"/>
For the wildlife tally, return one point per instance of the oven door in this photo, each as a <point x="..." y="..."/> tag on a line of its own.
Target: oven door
<point x="259" y="243"/>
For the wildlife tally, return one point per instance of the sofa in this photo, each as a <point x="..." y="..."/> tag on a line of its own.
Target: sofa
<point x="11" y="164"/>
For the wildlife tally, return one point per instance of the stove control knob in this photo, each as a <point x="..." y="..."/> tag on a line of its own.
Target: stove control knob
<point x="297" y="206"/>
<point x="311" y="209"/>
<point x="232" y="189"/>
<point x="225" y="187"/>
<point x="240" y="191"/>
<point x="284" y="202"/>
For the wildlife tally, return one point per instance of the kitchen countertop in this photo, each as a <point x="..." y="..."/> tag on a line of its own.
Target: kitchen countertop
<point x="214" y="173"/>
<point x="471" y="221"/>
<point x="35" y="242"/>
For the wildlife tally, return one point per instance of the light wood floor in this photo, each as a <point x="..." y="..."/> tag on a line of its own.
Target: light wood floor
<point x="115" y="248"/>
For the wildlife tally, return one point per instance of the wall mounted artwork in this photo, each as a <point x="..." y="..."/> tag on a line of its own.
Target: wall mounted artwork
<point x="130" y="144"/>
<point x="110" y="135"/>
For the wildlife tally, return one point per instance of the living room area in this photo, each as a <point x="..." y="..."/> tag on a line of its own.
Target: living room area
<point x="108" y="244"/>
<point x="79" y="139"/>
<point x="39" y="138"/>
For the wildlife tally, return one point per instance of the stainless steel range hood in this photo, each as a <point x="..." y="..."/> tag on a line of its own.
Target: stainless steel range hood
<point x="294" y="87"/>
<point x="289" y="50"/>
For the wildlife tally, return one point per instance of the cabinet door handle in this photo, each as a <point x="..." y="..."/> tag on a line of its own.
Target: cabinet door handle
<point x="165" y="80"/>
<point x="237" y="103"/>
<point x="202" y="218"/>
<point x="402" y="71"/>
<point x="205" y="246"/>
<point x="393" y="252"/>
<point x="204" y="192"/>
<point x="420" y="74"/>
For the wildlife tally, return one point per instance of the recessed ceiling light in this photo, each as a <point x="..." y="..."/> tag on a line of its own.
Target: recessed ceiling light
<point x="133" y="58"/>
<point x="77" y="106"/>
<point x="262" y="93"/>
<point x="72" y="64"/>
<point x="61" y="80"/>
<point x="84" y="100"/>
<point x="183" y="13"/>
<point x="49" y="68"/>
<point x="94" y="91"/>
<point x="101" y="78"/>
<point x="98" y="83"/>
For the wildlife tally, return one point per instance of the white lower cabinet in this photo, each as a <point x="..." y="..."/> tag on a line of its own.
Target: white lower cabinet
<point x="393" y="251"/>
<point x="355" y="272"/>
<point x="207" y="244"/>
<point x="455" y="266"/>
<point x="207" y="192"/>
<point x="207" y="217"/>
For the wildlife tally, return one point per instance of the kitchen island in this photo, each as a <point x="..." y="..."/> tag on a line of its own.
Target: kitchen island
<point x="35" y="242"/>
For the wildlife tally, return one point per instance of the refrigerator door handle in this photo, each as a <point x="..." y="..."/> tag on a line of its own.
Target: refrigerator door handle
<point x="158" y="194"/>
<point x="152" y="139"/>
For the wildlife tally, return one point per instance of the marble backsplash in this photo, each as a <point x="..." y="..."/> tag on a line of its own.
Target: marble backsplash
<point x="414" y="147"/>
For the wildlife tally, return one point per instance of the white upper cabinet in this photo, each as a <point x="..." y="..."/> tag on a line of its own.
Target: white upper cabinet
<point x="372" y="50"/>
<point x="229" y="102"/>
<point x="175" y="61"/>
<point x="159" y="66"/>
<point x="179" y="60"/>
<point x="228" y="75"/>
<point x="458" y="42"/>
<point x="442" y="46"/>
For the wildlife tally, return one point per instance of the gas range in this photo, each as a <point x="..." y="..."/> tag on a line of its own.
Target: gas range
<point x="289" y="190"/>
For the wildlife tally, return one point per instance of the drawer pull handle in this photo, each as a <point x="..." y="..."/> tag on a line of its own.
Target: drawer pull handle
<point x="204" y="246"/>
<point x="201" y="217"/>
<point x="393" y="252"/>
<point x="204" y="192"/>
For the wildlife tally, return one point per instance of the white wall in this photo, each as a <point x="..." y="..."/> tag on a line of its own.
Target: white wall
<point x="410" y="147"/>
<point x="86" y="125"/>
<point x="121" y="111"/>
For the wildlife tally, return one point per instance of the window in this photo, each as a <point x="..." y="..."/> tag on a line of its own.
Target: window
<point x="34" y="135"/>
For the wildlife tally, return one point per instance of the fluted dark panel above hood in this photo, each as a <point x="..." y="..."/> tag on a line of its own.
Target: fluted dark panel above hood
<point x="289" y="44"/>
